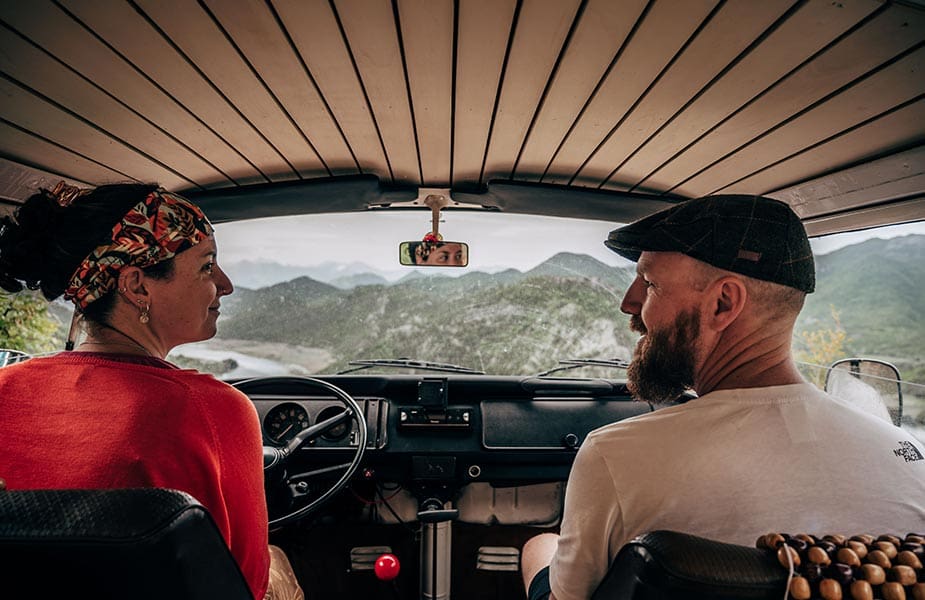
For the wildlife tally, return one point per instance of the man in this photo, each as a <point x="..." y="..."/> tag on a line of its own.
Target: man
<point x="720" y="281"/>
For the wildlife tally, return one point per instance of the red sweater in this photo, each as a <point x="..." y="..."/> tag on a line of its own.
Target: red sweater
<point x="88" y="420"/>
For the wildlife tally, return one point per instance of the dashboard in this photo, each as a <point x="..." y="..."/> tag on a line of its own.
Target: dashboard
<point x="454" y="430"/>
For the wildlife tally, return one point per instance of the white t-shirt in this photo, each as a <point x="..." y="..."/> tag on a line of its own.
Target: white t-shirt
<point x="733" y="465"/>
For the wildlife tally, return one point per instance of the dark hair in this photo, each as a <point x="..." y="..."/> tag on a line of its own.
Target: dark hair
<point x="43" y="243"/>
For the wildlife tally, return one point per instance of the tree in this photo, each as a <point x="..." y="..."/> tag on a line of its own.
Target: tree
<point x="822" y="347"/>
<point x="25" y="323"/>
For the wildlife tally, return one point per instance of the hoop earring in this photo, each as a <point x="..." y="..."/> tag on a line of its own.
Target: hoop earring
<point x="144" y="317"/>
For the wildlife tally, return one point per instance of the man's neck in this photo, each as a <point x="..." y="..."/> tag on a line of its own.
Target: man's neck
<point x="747" y="362"/>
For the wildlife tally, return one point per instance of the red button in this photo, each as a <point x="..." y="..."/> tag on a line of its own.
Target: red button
<point x="387" y="567"/>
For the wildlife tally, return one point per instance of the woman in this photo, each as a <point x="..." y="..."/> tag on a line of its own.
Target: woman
<point x="139" y="263"/>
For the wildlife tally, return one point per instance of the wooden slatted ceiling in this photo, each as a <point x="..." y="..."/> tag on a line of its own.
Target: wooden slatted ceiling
<point x="725" y="35"/>
<point x="662" y="31"/>
<point x="599" y="32"/>
<point x="314" y="29"/>
<point x="851" y="58"/>
<point x="145" y="67"/>
<point x="681" y="97"/>
<point x="483" y="32"/>
<point x="811" y="28"/>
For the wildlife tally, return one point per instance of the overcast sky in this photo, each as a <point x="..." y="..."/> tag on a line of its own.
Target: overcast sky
<point x="495" y="240"/>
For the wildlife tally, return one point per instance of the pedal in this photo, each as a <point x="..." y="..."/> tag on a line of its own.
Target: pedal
<point x="363" y="558"/>
<point x="498" y="558"/>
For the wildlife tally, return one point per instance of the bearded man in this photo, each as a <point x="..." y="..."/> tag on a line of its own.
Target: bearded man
<point x="720" y="281"/>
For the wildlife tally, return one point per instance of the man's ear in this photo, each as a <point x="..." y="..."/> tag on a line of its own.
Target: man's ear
<point x="727" y="299"/>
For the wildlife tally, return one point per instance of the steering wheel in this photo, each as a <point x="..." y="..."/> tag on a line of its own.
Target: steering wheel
<point x="274" y="459"/>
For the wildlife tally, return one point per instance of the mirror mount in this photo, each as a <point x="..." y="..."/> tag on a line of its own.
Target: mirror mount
<point x="435" y="202"/>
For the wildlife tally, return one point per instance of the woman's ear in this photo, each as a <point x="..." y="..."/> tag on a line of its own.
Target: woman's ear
<point x="132" y="286"/>
<point x="727" y="300"/>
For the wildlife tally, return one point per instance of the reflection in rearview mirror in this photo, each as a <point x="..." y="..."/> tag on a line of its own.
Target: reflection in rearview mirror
<point x="433" y="254"/>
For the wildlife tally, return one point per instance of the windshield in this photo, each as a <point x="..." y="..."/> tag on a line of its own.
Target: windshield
<point x="314" y="293"/>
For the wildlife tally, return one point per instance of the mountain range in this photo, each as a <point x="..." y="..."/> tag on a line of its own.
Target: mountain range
<point x="566" y="307"/>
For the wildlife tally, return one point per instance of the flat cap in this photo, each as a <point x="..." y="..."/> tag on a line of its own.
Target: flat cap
<point x="751" y="235"/>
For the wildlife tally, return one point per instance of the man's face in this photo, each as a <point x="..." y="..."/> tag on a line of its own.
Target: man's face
<point x="662" y="304"/>
<point x="665" y="359"/>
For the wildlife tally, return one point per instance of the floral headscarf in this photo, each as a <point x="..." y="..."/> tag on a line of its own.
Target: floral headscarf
<point x="156" y="229"/>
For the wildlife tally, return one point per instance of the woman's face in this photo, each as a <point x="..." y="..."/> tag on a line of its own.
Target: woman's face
<point x="184" y="308"/>
<point x="448" y="254"/>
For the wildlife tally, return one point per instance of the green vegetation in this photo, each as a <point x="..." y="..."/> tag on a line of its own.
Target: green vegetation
<point x="26" y="324"/>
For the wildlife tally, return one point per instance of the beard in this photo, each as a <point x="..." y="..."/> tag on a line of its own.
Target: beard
<point x="663" y="361"/>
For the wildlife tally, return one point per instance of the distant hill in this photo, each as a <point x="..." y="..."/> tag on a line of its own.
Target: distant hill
<point x="567" y="306"/>
<point x="478" y="320"/>
<point x="877" y="288"/>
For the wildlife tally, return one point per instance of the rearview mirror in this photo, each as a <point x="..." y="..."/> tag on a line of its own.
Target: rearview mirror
<point x="433" y="254"/>
<point x="872" y="385"/>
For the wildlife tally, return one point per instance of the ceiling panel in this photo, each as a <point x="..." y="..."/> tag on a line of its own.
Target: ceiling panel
<point x="373" y="37"/>
<point x="629" y="98"/>
<point x="664" y="29"/>
<point x="31" y="113"/>
<point x="254" y="29"/>
<point x="600" y="32"/>
<point x="145" y="46"/>
<point x="852" y="57"/>
<point x="314" y="29"/>
<point x="728" y="32"/>
<point x="199" y="37"/>
<point x="883" y="180"/>
<point x="52" y="31"/>
<point x="865" y="99"/>
<point x="427" y="37"/>
<point x="810" y="28"/>
<point x="484" y="30"/>
<point x="539" y="34"/>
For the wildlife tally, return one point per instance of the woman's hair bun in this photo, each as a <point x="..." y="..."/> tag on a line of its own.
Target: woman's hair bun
<point x="25" y="241"/>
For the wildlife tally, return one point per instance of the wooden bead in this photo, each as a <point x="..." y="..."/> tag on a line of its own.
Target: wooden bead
<point x="817" y="555"/>
<point x="806" y="538"/>
<point x="918" y="591"/>
<point x="873" y="573"/>
<point x="861" y="590"/>
<point x="770" y="541"/>
<point x="878" y="558"/>
<point x="799" y="588"/>
<point x="859" y="548"/>
<point x="864" y="539"/>
<point x="915" y="539"/>
<point x="908" y="558"/>
<point x="902" y="574"/>
<point x="887" y="548"/>
<point x="782" y="556"/>
<point x="830" y="589"/>
<point x="889" y="538"/>
<point x="838" y="540"/>
<point x="848" y="556"/>
<point x="893" y="591"/>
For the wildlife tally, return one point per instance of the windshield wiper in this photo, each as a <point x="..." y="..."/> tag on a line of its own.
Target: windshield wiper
<point x="407" y="363"/>
<point x="574" y="363"/>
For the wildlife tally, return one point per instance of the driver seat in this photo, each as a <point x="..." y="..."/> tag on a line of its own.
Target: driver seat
<point x="126" y="543"/>
<point x="669" y="565"/>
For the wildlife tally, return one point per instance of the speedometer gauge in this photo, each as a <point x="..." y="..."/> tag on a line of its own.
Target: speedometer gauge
<point x="283" y="422"/>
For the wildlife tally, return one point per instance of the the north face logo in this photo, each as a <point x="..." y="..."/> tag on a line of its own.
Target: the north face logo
<point x="908" y="452"/>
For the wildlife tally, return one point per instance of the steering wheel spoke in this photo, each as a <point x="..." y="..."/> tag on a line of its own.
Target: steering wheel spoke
<point x="276" y="459"/>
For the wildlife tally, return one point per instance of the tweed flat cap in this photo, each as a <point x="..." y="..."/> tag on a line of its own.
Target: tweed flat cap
<point x="751" y="235"/>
